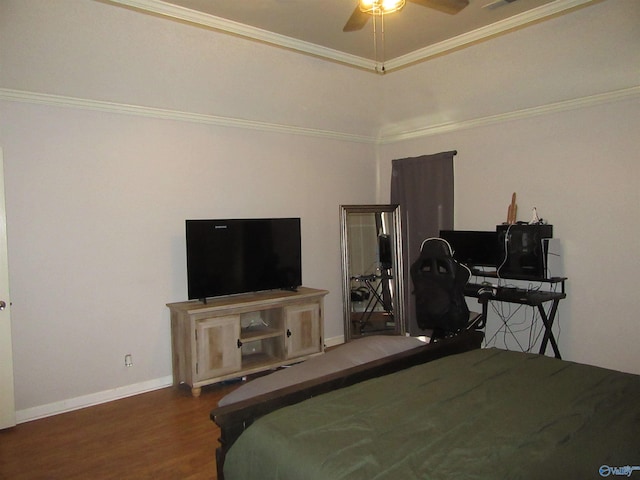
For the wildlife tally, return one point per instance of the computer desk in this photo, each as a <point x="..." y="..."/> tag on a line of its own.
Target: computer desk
<point x="533" y="298"/>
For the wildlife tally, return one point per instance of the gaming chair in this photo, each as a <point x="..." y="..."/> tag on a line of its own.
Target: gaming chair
<point x="438" y="282"/>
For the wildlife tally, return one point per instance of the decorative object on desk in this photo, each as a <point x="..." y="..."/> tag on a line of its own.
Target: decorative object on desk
<point x="534" y="217"/>
<point x="512" y="211"/>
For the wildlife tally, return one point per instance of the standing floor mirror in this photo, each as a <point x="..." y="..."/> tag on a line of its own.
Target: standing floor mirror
<point x="372" y="270"/>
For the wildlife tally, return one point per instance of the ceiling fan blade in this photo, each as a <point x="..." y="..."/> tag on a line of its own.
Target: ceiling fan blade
<point x="357" y="20"/>
<point x="447" y="6"/>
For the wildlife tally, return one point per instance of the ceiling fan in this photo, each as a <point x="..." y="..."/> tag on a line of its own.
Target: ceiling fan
<point x="366" y="8"/>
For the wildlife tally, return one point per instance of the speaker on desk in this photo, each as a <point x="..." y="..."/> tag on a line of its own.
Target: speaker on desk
<point x="524" y="250"/>
<point x="555" y="258"/>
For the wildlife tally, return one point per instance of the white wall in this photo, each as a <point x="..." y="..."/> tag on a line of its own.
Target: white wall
<point x="580" y="170"/>
<point x="591" y="51"/>
<point x="99" y="182"/>
<point x="95" y="210"/>
<point x="97" y="193"/>
<point x="577" y="162"/>
<point x="94" y="50"/>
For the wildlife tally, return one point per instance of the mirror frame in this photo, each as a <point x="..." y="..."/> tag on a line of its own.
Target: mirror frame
<point x="398" y="273"/>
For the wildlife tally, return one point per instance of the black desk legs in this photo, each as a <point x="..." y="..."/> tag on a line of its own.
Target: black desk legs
<point x="532" y="298"/>
<point x="547" y="321"/>
<point x="548" y="324"/>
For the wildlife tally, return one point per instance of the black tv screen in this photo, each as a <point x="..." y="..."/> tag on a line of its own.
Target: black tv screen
<point x="233" y="256"/>
<point x="474" y="248"/>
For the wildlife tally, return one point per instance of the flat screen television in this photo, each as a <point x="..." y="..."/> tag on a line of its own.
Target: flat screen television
<point x="474" y="248"/>
<point x="226" y="257"/>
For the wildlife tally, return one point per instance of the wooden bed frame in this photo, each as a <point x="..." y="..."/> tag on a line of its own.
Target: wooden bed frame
<point x="235" y="418"/>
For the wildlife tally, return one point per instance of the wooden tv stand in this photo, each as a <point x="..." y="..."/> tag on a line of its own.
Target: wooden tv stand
<point x="234" y="336"/>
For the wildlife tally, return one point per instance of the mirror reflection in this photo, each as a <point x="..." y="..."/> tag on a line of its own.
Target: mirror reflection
<point x="371" y="265"/>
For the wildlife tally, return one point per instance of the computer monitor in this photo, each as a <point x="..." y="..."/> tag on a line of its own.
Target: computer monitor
<point x="474" y="248"/>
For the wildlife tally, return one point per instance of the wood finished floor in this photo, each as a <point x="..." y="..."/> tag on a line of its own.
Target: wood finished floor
<point x="165" y="434"/>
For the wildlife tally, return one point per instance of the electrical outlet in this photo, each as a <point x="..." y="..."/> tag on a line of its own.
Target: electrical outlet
<point x="128" y="360"/>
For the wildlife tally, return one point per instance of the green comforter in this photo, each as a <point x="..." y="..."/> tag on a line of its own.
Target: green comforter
<point x="485" y="414"/>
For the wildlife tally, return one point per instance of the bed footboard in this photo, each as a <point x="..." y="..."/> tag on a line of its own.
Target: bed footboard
<point x="235" y="418"/>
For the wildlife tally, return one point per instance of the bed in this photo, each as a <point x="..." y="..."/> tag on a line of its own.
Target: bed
<point x="439" y="411"/>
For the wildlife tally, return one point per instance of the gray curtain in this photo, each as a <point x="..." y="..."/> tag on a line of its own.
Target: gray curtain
<point x="423" y="187"/>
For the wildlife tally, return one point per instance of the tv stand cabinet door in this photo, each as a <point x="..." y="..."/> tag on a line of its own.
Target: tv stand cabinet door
<point x="303" y="329"/>
<point x="217" y="352"/>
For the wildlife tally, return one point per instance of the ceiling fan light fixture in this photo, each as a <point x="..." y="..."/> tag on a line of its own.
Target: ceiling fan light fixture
<point x="380" y="7"/>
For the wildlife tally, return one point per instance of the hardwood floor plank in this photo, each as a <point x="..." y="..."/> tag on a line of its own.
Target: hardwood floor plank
<point x="165" y="434"/>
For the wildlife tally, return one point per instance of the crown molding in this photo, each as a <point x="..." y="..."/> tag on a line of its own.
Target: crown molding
<point x="385" y="136"/>
<point x="556" y="107"/>
<point x="474" y="36"/>
<point x="199" y="18"/>
<point x="177" y="115"/>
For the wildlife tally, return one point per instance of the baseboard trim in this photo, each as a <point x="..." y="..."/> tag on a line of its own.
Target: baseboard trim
<point x="56" y="408"/>
<point x="334" y="341"/>
<point x="77" y="403"/>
